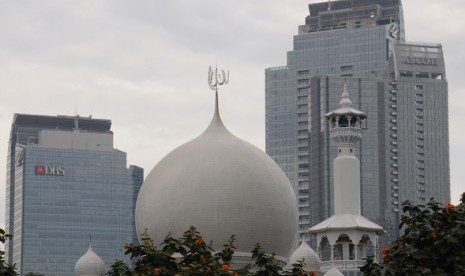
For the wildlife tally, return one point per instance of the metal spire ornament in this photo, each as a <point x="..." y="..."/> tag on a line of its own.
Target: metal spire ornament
<point x="216" y="79"/>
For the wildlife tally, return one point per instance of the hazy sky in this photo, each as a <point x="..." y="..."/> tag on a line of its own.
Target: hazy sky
<point x="143" y="64"/>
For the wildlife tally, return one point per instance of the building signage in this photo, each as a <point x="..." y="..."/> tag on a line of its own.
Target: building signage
<point x="50" y="170"/>
<point x="421" y="61"/>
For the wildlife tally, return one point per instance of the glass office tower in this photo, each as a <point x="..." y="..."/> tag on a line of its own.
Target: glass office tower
<point x="400" y="85"/>
<point x="67" y="186"/>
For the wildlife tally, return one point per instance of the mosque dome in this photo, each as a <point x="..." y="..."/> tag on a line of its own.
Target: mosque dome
<point x="333" y="272"/>
<point x="89" y="264"/>
<point x="223" y="186"/>
<point x="308" y="255"/>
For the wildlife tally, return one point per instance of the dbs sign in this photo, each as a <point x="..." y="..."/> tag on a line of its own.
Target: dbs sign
<point x="49" y="170"/>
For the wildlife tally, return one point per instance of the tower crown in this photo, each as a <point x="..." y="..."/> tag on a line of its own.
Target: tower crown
<point x="345" y="123"/>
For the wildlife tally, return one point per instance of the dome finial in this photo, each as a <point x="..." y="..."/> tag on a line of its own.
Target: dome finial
<point x="216" y="79"/>
<point x="345" y="100"/>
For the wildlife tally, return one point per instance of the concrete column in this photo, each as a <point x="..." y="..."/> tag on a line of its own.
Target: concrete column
<point x="345" y="250"/>
<point x="362" y="250"/>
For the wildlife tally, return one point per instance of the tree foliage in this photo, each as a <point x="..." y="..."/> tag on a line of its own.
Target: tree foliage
<point x="5" y="269"/>
<point x="191" y="255"/>
<point x="433" y="242"/>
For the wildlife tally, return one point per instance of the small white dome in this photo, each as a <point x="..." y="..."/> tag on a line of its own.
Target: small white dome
<point x="308" y="255"/>
<point x="89" y="265"/>
<point x="333" y="272"/>
<point x="223" y="186"/>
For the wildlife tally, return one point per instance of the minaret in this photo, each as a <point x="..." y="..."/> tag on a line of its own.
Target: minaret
<point x="346" y="238"/>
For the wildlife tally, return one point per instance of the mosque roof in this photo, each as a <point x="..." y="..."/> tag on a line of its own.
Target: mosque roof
<point x="333" y="272"/>
<point x="90" y="264"/>
<point x="346" y="222"/>
<point x="223" y="186"/>
<point x="345" y="106"/>
<point x="308" y="255"/>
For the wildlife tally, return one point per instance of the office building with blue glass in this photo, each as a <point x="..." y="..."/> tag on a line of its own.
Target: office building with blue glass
<point x="66" y="186"/>
<point x="400" y="85"/>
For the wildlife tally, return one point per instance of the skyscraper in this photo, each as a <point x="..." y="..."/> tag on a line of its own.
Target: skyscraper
<point x="400" y="85"/>
<point x="67" y="185"/>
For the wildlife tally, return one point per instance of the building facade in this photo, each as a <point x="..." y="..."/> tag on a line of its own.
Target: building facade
<point x="67" y="185"/>
<point x="400" y="85"/>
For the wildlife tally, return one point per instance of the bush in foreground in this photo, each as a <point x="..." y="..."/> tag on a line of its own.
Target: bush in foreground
<point x="5" y="269"/>
<point x="190" y="255"/>
<point x="433" y="242"/>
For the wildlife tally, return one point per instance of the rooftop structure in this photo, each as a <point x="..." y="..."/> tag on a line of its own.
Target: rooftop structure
<point x="333" y="15"/>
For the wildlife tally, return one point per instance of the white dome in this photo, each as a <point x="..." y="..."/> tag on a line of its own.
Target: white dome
<point x="223" y="186"/>
<point x="308" y="255"/>
<point x="333" y="272"/>
<point x="89" y="264"/>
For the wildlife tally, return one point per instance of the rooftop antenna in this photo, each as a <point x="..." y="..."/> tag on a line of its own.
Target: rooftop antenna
<point x="76" y="119"/>
<point x="329" y="5"/>
<point x="76" y="123"/>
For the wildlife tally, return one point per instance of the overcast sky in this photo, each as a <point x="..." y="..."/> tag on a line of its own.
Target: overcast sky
<point x="143" y="64"/>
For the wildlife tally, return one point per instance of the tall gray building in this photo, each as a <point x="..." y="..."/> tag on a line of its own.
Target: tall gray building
<point x="400" y="85"/>
<point x="66" y="183"/>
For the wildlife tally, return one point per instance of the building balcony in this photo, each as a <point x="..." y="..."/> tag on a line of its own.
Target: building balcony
<point x="303" y="187"/>
<point x="342" y="265"/>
